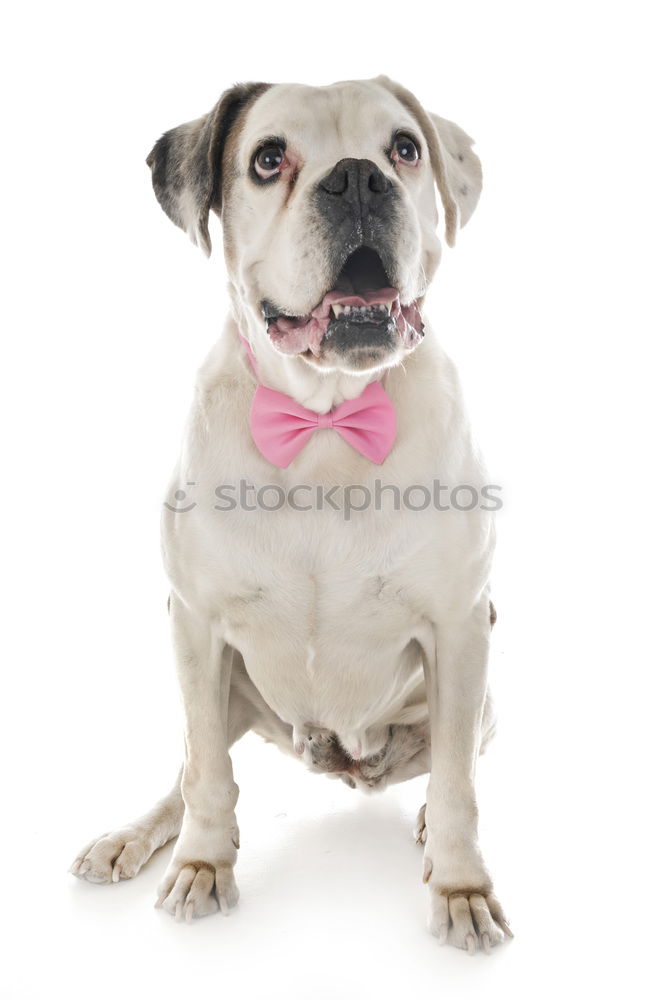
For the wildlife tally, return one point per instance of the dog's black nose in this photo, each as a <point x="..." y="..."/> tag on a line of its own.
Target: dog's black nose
<point x="357" y="205"/>
<point x="358" y="182"/>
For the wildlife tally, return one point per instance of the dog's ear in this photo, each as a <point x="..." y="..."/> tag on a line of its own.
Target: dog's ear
<point x="187" y="162"/>
<point x="457" y="170"/>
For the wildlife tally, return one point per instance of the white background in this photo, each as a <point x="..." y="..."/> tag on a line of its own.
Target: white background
<point x="552" y="305"/>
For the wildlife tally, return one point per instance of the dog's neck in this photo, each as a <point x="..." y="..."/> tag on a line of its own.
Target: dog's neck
<point x="316" y="390"/>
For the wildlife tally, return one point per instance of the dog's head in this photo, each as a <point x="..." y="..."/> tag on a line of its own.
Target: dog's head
<point x="327" y="196"/>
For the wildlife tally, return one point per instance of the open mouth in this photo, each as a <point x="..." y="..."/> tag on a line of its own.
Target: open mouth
<point x="361" y="309"/>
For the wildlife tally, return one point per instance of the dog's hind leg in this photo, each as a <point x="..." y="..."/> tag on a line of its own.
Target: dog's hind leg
<point x="120" y="855"/>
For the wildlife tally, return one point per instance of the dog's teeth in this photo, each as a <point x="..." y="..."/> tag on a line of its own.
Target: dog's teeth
<point x="363" y="310"/>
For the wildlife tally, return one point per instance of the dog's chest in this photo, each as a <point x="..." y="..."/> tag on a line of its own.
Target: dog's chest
<point x="323" y="610"/>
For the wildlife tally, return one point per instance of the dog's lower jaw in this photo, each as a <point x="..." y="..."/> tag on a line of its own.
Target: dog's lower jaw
<point x="370" y="362"/>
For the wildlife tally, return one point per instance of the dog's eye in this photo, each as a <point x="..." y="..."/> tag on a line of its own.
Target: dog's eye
<point x="405" y="150"/>
<point x="269" y="160"/>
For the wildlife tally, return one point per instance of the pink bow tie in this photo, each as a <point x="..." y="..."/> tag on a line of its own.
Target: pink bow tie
<point x="281" y="427"/>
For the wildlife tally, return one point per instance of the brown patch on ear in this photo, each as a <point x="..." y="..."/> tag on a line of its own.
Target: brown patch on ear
<point x="493" y="617"/>
<point x="187" y="163"/>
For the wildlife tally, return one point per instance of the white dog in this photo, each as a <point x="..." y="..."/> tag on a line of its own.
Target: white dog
<point x="317" y="598"/>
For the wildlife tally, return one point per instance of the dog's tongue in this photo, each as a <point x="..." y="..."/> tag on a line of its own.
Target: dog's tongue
<point x="295" y="334"/>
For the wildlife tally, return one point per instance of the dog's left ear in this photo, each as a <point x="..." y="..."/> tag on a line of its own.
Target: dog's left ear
<point x="457" y="170"/>
<point x="187" y="162"/>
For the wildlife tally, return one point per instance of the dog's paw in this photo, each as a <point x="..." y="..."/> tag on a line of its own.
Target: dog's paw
<point x="193" y="889"/>
<point x="467" y="919"/>
<point x="419" y="831"/>
<point x="112" y="857"/>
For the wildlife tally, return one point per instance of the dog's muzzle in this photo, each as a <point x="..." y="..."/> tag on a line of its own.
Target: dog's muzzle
<point x="363" y="312"/>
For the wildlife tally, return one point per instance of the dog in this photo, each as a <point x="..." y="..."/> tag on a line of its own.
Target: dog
<point x="354" y="637"/>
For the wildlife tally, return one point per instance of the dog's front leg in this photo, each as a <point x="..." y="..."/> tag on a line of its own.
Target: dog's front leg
<point x="463" y="908"/>
<point x="200" y="876"/>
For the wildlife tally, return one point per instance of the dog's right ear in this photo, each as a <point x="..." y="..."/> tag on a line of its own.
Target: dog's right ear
<point x="186" y="163"/>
